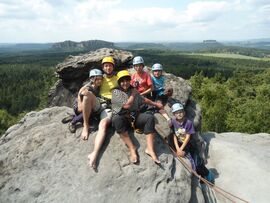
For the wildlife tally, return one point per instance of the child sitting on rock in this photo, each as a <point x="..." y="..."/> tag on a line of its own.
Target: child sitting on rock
<point x="141" y="80"/>
<point x="158" y="83"/>
<point x="184" y="144"/>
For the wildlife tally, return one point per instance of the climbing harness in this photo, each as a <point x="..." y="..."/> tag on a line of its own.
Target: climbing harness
<point x="223" y="192"/>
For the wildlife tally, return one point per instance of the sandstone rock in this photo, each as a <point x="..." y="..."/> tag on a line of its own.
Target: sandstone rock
<point x="241" y="164"/>
<point x="75" y="67"/>
<point x="41" y="161"/>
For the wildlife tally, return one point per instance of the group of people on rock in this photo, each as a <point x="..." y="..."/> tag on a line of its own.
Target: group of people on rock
<point x="124" y="101"/>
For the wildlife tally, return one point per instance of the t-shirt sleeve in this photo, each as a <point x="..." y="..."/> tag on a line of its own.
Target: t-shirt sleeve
<point x="148" y="80"/>
<point x="190" y="128"/>
<point x="132" y="79"/>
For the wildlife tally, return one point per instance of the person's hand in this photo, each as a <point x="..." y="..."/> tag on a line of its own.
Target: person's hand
<point x="180" y="153"/>
<point x="159" y="105"/>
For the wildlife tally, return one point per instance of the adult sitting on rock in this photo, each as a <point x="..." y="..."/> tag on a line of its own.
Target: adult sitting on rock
<point x="126" y="102"/>
<point x="88" y="100"/>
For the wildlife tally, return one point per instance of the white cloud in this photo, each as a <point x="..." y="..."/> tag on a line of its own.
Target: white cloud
<point x="25" y="9"/>
<point x="48" y="20"/>
<point x="205" y="10"/>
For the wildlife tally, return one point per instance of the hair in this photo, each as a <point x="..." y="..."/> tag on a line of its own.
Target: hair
<point x="122" y="78"/>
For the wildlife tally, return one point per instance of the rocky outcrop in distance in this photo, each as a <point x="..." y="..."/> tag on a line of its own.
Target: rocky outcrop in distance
<point x="88" y="45"/>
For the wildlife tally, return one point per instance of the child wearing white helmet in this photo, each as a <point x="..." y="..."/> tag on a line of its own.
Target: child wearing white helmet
<point x="158" y="81"/>
<point x="90" y="90"/>
<point x="183" y="130"/>
<point x="184" y="143"/>
<point x="141" y="80"/>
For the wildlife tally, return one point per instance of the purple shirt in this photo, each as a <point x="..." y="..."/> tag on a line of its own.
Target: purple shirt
<point x="181" y="129"/>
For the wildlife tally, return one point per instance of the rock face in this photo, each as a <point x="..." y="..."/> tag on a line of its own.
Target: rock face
<point x="241" y="163"/>
<point x="84" y="45"/>
<point x="41" y="161"/>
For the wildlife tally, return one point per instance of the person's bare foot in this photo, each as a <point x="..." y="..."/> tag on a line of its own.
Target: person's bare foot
<point x="85" y="133"/>
<point x="153" y="156"/>
<point x="92" y="160"/>
<point x="133" y="156"/>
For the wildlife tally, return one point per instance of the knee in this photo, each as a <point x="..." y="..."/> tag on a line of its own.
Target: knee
<point x="103" y="124"/>
<point x="87" y="95"/>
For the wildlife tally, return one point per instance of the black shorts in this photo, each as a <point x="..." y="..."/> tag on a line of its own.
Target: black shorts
<point x="143" y="121"/>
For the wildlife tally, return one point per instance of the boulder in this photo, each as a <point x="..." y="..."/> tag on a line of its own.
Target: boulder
<point x="240" y="163"/>
<point x="41" y="161"/>
<point x="78" y="66"/>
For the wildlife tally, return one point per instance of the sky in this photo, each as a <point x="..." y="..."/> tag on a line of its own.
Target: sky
<point x="42" y="21"/>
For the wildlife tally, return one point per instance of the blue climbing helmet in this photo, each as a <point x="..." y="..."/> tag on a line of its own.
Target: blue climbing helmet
<point x="157" y="66"/>
<point x="95" y="72"/>
<point x="138" y="60"/>
<point x="177" y="107"/>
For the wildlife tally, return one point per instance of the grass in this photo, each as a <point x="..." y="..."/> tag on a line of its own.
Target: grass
<point x="231" y="55"/>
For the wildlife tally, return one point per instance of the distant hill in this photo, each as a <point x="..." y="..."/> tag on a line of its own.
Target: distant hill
<point x="253" y="43"/>
<point x="247" y="51"/>
<point x="140" y="45"/>
<point x="9" y="47"/>
<point x="66" y="46"/>
<point x="254" y="48"/>
<point x="178" y="46"/>
<point x="89" y="45"/>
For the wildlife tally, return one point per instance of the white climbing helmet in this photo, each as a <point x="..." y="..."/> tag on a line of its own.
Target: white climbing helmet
<point x="138" y="60"/>
<point x="95" y="72"/>
<point x="157" y="66"/>
<point x="177" y="107"/>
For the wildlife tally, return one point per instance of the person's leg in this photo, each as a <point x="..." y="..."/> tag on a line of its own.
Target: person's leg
<point x="85" y="106"/>
<point x="150" y="147"/>
<point x="121" y="126"/>
<point x="132" y="148"/>
<point x="103" y="125"/>
<point x="147" y="123"/>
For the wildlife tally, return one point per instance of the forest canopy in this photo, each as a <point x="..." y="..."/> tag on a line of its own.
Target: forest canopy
<point x="233" y="92"/>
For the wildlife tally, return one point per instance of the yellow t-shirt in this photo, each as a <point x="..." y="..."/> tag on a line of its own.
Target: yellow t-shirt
<point x="107" y="85"/>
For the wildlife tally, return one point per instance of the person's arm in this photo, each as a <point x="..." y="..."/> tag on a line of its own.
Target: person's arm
<point x="156" y="104"/>
<point x="185" y="142"/>
<point x="148" y="91"/>
<point x="82" y="92"/>
<point x="149" y="83"/>
<point x="179" y="152"/>
<point x="165" y="115"/>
